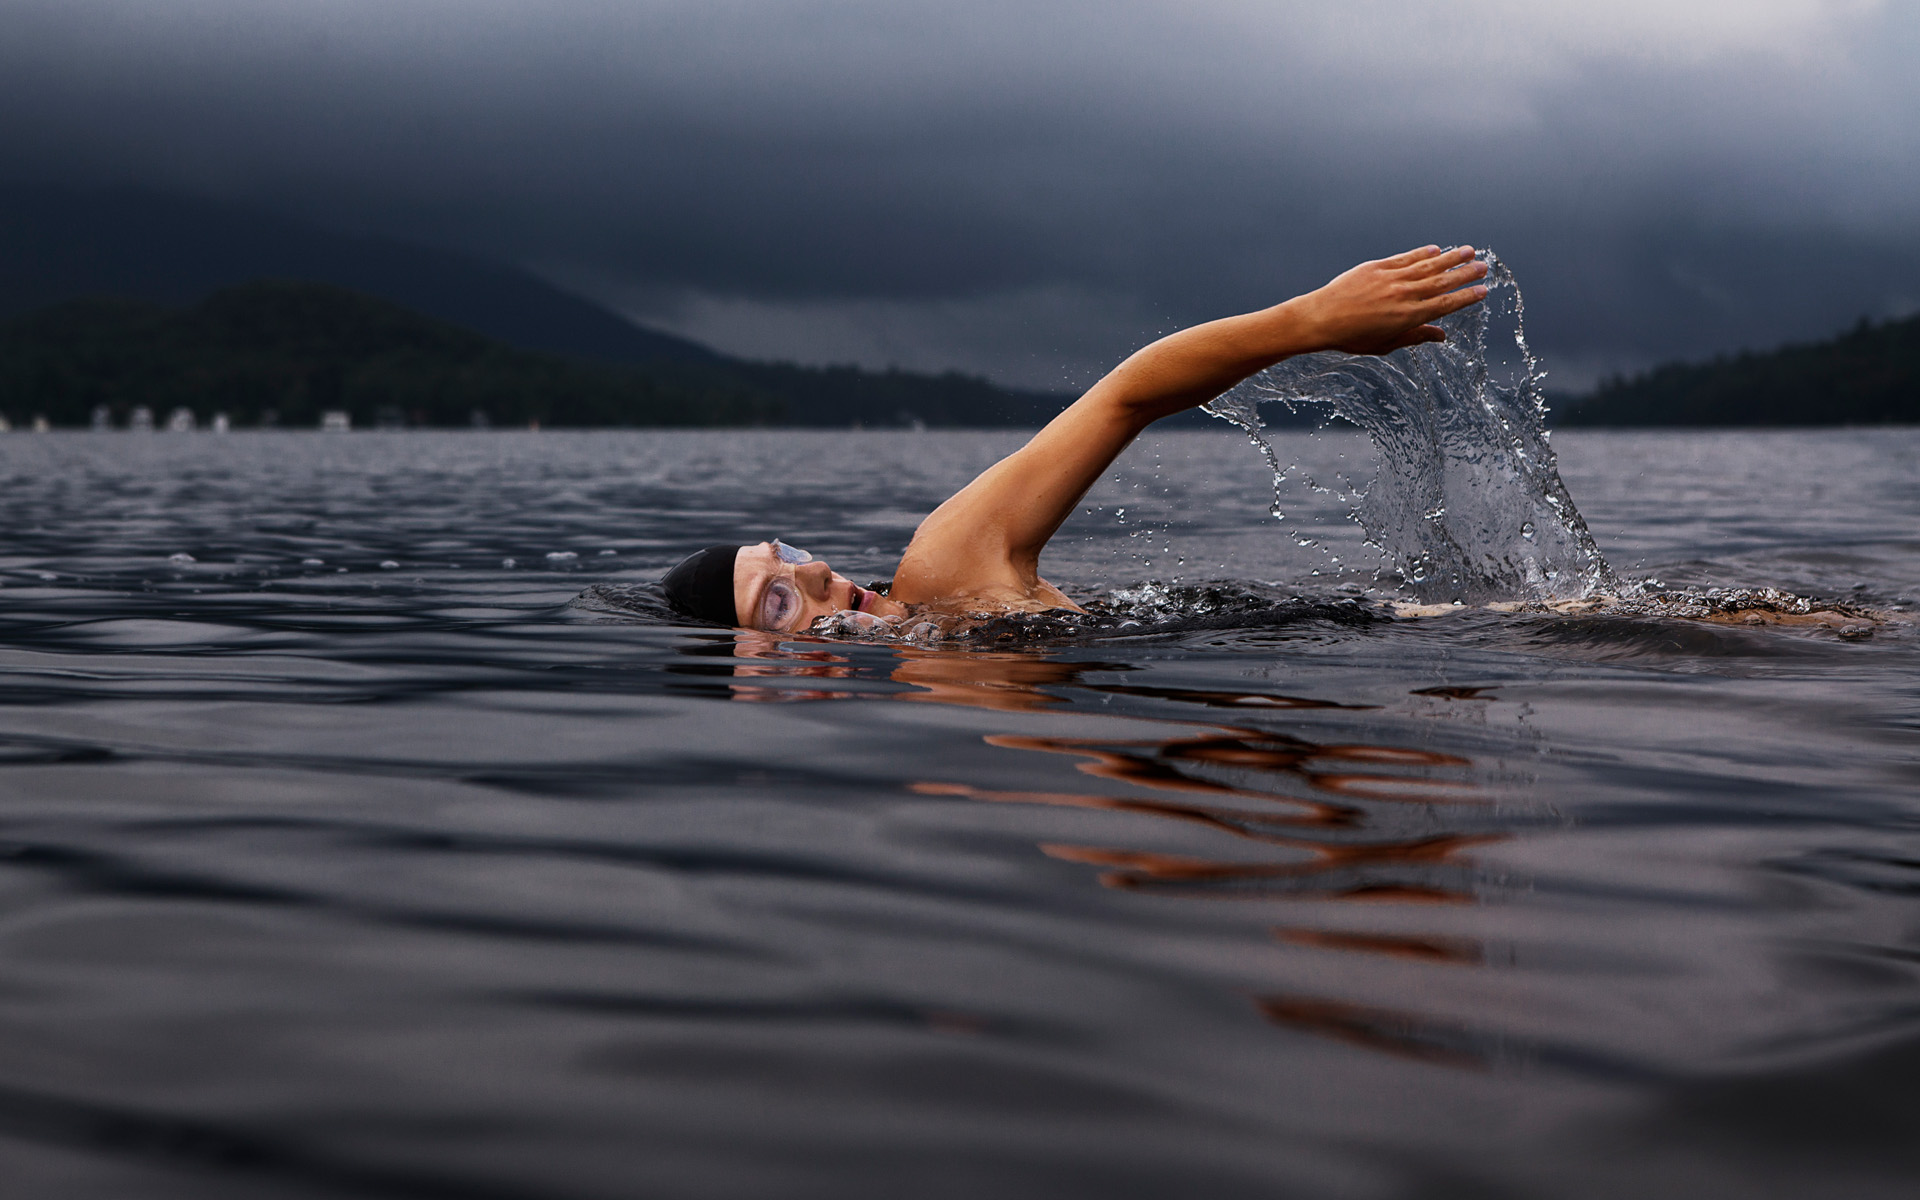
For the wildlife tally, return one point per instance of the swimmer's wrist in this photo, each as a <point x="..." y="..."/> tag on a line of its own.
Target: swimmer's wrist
<point x="1302" y="325"/>
<point x="1274" y="334"/>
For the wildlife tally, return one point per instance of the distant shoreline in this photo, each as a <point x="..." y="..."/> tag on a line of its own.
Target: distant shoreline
<point x="1868" y="376"/>
<point x="288" y="353"/>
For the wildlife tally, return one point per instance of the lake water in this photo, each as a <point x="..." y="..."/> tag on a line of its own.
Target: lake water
<point x="354" y="858"/>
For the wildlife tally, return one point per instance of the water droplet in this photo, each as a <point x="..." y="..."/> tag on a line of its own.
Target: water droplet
<point x="181" y="560"/>
<point x="312" y="562"/>
<point x="1526" y="530"/>
<point x="507" y="563"/>
<point x="557" y="556"/>
<point x="389" y="565"/>
<point x="608" y="553"/>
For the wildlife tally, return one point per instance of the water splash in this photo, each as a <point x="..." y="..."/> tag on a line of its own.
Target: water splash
<point x="1468" y="504"/>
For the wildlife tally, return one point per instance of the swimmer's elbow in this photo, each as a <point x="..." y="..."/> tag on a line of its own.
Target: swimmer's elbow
<point x="1138" y="400"/>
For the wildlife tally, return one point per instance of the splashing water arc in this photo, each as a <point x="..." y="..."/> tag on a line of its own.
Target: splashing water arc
<point x="1467" y="504"/>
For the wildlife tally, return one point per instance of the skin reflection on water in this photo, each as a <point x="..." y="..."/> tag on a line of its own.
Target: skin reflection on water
<point x="1329" y="821"/>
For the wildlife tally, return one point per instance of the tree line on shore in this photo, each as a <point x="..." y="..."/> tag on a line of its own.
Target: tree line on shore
<point x="286" y="353"/>
<point x="1869" y="375"/>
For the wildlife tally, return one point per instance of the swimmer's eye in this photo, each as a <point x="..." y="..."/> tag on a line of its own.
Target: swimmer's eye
<point x="779" y="605"/>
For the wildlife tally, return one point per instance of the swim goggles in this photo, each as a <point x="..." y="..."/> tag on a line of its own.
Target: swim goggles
<point x="780" y="603"/>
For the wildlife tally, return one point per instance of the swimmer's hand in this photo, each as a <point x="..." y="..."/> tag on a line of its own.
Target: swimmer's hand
<point x="1379" y="307"/>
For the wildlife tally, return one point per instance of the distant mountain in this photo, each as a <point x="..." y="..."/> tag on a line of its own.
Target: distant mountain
<point x="1867" y="376"/>
<point x="275" y="352"/>
<point x="284" y="353"/>
<point x="58" y="246"/>
<point x="63" y="245"/>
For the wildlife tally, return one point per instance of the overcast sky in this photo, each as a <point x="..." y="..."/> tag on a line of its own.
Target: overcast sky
<point x="1028" y="189"/>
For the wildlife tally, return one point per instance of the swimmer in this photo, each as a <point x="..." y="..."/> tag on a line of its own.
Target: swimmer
<point x="980" y="551"/>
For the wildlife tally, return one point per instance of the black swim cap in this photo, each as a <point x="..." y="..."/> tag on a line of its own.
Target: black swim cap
<point x="702" y="585"/>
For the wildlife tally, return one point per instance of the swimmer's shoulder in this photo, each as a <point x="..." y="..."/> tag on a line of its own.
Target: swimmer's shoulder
<point x="996" y="592"/>
<point x="957" y="566"/>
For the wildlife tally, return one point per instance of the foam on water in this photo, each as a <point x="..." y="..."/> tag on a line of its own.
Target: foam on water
<point x="1467" y="503"/>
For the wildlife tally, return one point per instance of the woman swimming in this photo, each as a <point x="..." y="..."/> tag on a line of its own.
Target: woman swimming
<point x="981" y="549"/>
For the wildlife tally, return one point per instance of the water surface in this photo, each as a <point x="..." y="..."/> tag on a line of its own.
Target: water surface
<point x="347" y="855"/>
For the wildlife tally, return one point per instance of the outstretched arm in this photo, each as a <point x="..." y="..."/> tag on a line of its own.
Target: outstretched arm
<point x="986" y="540"/>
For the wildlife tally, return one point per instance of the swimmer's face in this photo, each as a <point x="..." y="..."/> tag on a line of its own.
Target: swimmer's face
<point x="785" y="597"/>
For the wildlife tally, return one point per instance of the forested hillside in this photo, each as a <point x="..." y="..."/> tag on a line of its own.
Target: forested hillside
<point x="276" y="352"/>
<point x="1867" y="376"/>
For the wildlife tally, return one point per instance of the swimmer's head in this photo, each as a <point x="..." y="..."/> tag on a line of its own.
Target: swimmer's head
<point x="768" y="585"/>
<point x="701" y="586"/>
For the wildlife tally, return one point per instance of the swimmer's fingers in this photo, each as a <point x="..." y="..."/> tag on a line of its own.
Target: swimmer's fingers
<point x="1453" y="301"/>
<point x="1459" y="276"/>
<point x="1409" y="258"/>
<point x="1457" y="263"/>
<point x="1429" y="262"/>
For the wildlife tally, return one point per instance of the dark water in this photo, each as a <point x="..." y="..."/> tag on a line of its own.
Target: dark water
<point x="398" y="873"/>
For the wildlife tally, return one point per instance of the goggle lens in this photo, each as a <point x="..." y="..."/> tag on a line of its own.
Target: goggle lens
<point x="779" y="606"/>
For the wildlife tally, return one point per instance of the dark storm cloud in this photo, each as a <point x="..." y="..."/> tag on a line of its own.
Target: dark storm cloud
<point x="1021" y="187"/>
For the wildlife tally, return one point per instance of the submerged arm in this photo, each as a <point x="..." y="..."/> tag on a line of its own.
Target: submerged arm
<point x="987" y="538"/>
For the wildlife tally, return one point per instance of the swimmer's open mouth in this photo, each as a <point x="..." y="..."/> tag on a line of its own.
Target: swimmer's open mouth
<point x="861" y="596"/>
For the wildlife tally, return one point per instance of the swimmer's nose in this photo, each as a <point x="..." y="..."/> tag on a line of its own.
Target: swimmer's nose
<point x="814" y="578"/>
